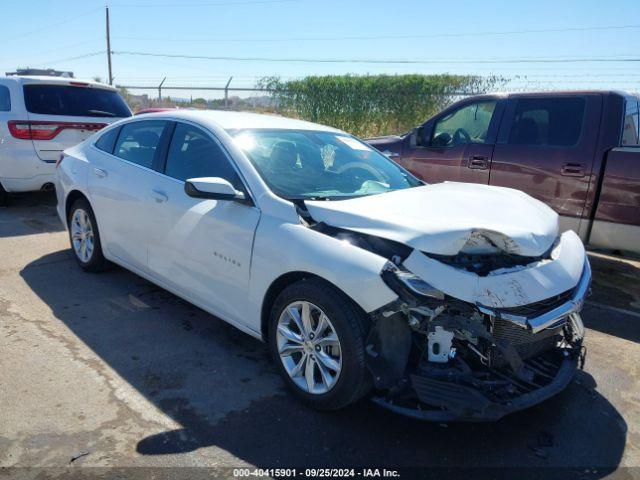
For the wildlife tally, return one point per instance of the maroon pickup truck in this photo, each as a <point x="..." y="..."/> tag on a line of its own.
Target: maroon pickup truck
<point x="579" y="152"/>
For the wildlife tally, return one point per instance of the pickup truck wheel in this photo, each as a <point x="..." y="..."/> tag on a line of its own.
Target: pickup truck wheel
<point x="85" y="237"/>
<point x="316" y="338"/>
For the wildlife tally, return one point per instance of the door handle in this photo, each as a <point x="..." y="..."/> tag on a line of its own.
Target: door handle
<point x="573" y="169"/>
<point x="99" y="172"/>
<point x="478" y="162"/>
<point x="159" y="196"/>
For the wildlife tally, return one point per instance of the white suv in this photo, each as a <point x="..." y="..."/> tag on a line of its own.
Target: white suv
<point x="40" y="117"/>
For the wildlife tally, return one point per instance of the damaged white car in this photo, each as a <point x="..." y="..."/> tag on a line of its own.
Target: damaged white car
<point x="443" y="302"/>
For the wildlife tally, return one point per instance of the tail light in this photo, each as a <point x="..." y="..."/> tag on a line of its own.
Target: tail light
<point x="26" y="130"/>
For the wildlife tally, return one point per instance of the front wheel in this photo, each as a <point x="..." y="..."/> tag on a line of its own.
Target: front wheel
<point x="316" y="338"/>
<point x="85" y="237"/>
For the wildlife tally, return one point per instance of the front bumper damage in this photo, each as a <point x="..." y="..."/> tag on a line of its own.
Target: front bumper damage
<point x="443" y="359"/>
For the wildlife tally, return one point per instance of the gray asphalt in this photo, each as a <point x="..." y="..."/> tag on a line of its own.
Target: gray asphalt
<point x="110" y="370"/>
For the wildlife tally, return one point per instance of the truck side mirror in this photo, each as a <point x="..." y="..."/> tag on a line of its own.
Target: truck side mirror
<point x="423" y="135"/>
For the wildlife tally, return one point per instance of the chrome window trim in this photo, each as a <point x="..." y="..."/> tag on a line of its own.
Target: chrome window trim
<point x="162" y="174"/>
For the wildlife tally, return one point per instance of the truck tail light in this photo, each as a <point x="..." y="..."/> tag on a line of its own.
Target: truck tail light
<point x="27" y="130"/>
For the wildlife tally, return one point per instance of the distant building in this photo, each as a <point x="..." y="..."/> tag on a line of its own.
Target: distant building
<point x="46" y="72"/>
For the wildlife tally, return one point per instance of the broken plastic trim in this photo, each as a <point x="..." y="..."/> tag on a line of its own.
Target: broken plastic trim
<point x="484" y="264"/>
<point x="553" y="318"/>
<point x="380" y="246"/>
<point x="405" y="283"/>
<point x="490" y="411"/>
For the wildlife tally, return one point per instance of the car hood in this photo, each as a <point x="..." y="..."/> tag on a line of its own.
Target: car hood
<point x="384" y="140"/>
<point x="447" y="218"/>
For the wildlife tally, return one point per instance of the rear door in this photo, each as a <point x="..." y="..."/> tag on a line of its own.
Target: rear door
<point x="458" y="144"/>
<point x="546" y="147"/>
<point x="121" y="179"/>
<point x="62" y="115"/>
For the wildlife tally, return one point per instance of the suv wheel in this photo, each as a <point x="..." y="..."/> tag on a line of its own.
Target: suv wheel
<point x="4" y="197"/>
<point x="316" y="338"/>
<point x="85" y="238"/>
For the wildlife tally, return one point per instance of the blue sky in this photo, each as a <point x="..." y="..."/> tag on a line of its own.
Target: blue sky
<point x="44" y="33"/>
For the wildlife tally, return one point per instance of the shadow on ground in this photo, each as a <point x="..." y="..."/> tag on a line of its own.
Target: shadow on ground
<point x="616" y="284"/>
<point x="220" y="386"/>
<point x="35" y="212"/>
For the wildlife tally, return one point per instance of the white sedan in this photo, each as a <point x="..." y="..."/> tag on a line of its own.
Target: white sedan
<point x="447" y="301"/>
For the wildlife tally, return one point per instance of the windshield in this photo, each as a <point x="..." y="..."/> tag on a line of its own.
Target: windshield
<point x="299" y="164"/>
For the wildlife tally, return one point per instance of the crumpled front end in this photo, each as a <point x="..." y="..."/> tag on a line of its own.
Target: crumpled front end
<point x="487" y="319"/>
<point x="476" y="342"/>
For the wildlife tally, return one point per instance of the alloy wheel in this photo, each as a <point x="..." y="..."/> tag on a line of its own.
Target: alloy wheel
<point x="309" y="347"/>
<point x="82" y="235"/>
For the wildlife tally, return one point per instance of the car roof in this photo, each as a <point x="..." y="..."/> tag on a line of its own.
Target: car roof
<point x="50" y="80"/>
<point x="545" y="93"/>
<point x="241" y="120"/>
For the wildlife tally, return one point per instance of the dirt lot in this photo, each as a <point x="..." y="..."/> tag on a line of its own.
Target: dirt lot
<point x="109" y="370"/>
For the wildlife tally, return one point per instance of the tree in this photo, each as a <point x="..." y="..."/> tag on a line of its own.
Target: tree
<point x="369" y="105"/>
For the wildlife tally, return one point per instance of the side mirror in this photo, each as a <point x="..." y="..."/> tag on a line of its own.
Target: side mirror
<point x="212" y="188"/>
<point x="443" y="139"/>
<point x="423" y="134"/>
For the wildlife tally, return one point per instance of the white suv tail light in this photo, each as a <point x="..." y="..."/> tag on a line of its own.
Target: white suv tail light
<point x="27" y="130"/>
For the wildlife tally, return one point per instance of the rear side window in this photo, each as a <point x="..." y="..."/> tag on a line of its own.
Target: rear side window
<point x="138" y="142"/>
<point x="107" y="140"/>
<point x="194" y="154"/>
<point x="5" y="99"/>
<point x="630" y="131"/>
<point x="547" y="121"/>
<point x="74" y="101"/>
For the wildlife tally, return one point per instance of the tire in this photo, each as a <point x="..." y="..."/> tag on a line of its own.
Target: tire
<point x="89" y="259"/>
<point x="346" y="320"/>
<point x="4" y="197"/>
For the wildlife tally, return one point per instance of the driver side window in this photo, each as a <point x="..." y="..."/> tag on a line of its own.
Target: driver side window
<point x="468" y="124"/>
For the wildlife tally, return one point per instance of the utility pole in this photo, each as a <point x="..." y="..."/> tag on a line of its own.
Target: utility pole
<point x="109" y="47"/>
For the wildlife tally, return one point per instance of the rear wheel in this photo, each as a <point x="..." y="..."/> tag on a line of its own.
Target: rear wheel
<point x="4" y="197"/>
<point x="85" y="237"/>
<point x="316" y="338"/>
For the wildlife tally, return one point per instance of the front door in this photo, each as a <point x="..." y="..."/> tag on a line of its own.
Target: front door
<point x="459" y="145"/>
<point x="201" y="247"/>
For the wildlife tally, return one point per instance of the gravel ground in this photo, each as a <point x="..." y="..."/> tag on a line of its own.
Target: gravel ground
<point x="110" y="370"/>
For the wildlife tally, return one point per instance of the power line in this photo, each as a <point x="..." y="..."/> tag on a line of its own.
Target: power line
<point x="517" y="76"/>
<point x="377" y="61"/>
<point x="68" y="46"/>
<point x="388" y="37"/>
<point x="55" y="24"/>
<point x="68" y="59"/>
<point x="208" y="4"/>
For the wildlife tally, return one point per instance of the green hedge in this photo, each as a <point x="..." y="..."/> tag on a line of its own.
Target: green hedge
<point x="372" y="105"/>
